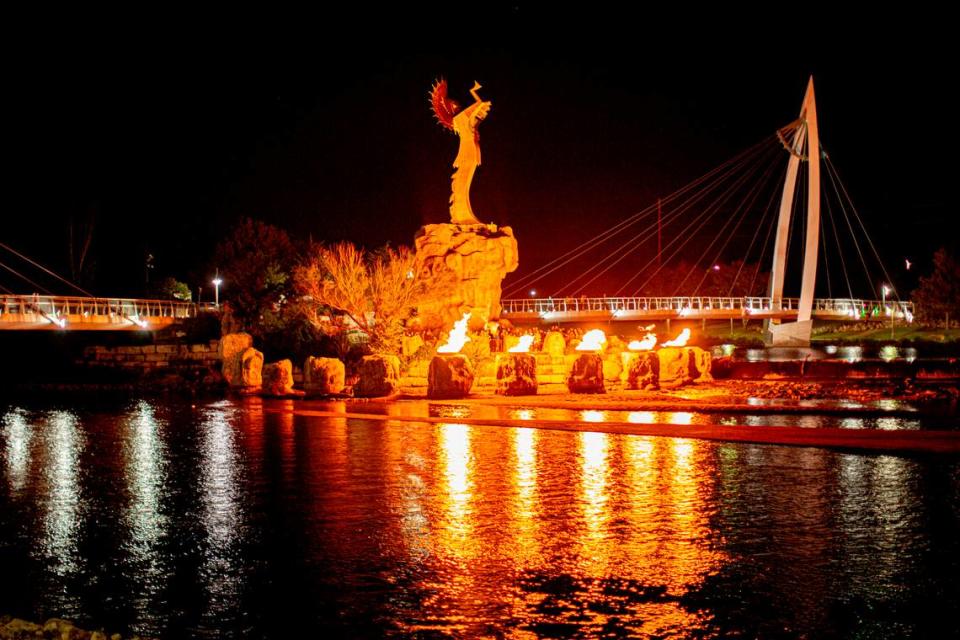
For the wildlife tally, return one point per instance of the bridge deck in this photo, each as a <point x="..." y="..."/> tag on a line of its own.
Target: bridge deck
<point x="558" y="310"/>
<point x="35" y="312"/>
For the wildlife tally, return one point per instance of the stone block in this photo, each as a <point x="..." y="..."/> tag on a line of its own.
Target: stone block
<point x="379" y="376"/>
<point x="230" y="349"/>
<point x="700" y="364"/>
<point x="516" y="374"/>
<point x="278" y="378"/>
<point x="643" y="370"/>
<point x="586" y="374"/>
<point x="324" y="376"/>
<point x="251" y="368"/>
<point x="674" y="366"/>
<point x="449" y="376"/>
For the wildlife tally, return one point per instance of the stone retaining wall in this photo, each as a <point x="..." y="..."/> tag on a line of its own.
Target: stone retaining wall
<point x="149" y="357"/>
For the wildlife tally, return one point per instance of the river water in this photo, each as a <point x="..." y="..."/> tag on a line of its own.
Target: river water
<point x="245" y="519"/>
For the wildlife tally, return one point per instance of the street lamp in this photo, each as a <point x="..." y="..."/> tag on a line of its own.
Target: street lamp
<point x="886" y="290"/>
<point x="216" y="289"/>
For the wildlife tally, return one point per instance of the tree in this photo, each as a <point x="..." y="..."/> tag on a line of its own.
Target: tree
<point x="256" y="261"/>
<point x="173" y="288"/>
<point x="938" y="294"/>
<point x="377" y="292"/>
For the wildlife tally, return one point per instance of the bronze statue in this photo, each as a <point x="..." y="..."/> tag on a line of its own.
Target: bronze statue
<point x="464" y="124"/>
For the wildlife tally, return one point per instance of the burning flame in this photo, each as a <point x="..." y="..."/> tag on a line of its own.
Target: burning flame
<point x="592" y="340"/>
<point x="649" y="341"/>
<point x="457" y="337"/>
<point x="523" y="346"/>
<point x="680" y="340"/>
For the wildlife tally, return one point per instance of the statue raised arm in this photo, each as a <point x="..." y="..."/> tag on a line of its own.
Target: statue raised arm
<point x="464" y="124"/>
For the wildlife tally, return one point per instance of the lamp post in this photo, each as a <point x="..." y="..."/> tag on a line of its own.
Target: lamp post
<point x="885" y="289"/>
<point x="216" y="290"/>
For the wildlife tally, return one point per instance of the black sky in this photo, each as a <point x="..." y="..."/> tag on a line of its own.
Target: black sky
<point x="170" y="131"/>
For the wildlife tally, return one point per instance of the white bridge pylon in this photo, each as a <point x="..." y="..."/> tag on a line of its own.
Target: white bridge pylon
<point x="804" y="146"/>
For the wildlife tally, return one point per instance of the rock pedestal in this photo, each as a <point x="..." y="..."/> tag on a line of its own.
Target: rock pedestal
<point x="251" y="368"/>
<point x="379" y="376"/>
<point x="586" y="375"/>
<point x="463" y="266"/>
<point x="516" y="374"/>
<point x="323" y="376"/>
<point x="231" y="348"/>
<point x="643" y="370"/>
<point x="700" y="364"/>
<point x="674" y="366"/>
<point x="450" y="376"/>
<point x="278" y="378"/>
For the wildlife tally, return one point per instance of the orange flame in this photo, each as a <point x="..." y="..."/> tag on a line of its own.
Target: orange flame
<point x="592" y="340"/>
<point x="649" y="341"/>
<point x="680" y="340"/>
<point x="457" y="336"/>
<point x="523" y="346"/>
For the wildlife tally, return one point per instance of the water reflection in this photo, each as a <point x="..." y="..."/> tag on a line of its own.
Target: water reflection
<point x="17" y="436"/>
<point x="220" y="512"/>
<point x="458" y="483"/>
<point x="63" y="443"/>
<point x="145" y="455"/>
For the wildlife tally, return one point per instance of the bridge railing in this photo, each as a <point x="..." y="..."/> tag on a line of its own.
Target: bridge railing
<point x="853" y="308"/>
<point x="133" y="308"/>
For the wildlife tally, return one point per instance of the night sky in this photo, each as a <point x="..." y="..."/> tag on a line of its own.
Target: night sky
<point x="167" y="131"/>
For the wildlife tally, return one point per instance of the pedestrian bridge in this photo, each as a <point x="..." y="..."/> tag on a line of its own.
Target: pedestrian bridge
<point x="79" y="313"/>
<point x="559" y="310"/>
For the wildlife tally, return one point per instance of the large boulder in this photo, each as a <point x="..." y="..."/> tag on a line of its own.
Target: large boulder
<point x="674" y="366"/>
<point x="586" y="374"/>
<point x="379" y="376"/>
<point x="323" y="376"/>
<point x="516" y="374"/>
<point x="230" y="350"/>
<point x="463" y="266"/>
<point x="643" y="370"/>
<point x="554" y="343"/>
<point x="251" y="368"/>
<point x="278" y="378"/>
<point x="450" y="376"/>
<point x="699" y="364"/>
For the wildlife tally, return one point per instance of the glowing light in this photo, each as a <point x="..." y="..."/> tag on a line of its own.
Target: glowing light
<point x="716" y="267"/>
<point x="523" y="346"/>
<point x="593" y="416"/>
<point x="886" y="290"/>
<point x="592" y="340"/>
<point x="680" y="340"/>
<point x="523" y="414"/>
<point x="908" y="316"/>
<point x="680" y="417"/>
<point x="889" y="352"/>
<point x="649" y="341"/>
<point x="533" y="293"/>
<point x="640" y="417"/>
<point x="457" y="336"/>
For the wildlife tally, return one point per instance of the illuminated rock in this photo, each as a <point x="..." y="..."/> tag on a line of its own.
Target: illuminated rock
<point x="278" y="378"/>
<point x="586" y="375"/>
<point x="699" y="364"/>
<point x="379" y="376"/>
<point x="674" y="366"/>
<point x="251" y="368"/>
<point x="463" y="266"/>
<point x="449" y="376"/>
<point x="323" y="376"/>
<point x="516" y="374"/>
<point x="554" y="343"/>
<point x="231" y="348"/>
<point x="643" y="370"/>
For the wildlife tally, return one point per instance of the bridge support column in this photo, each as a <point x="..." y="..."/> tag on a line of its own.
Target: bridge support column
<point x="798" y="333"/>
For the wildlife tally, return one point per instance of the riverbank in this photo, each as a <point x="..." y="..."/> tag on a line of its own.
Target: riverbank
<point x="17" y="629"/>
